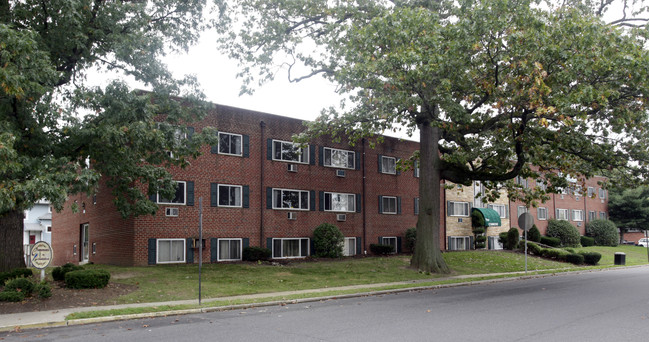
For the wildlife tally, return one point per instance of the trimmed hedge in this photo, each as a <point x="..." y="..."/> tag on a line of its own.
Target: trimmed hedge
<point x="256" y="253"/>
<point x="15" y="273"/>
<point x="411" y="239"/>
<point x="87" y="279"/>
<point x="591" y="258"/>
<point x="603" y="231"/>
<point x="11" y="296"/>
<point x="328" y="241"/>
<point x="575" y="258"/>
<point x="534" y="248"/>
<point x="22" y="285"/>
<point x="587" y="241"/>
<point x="513" y="236"/>
<point x="381" y="249"/>
<point x="43" y="289"/>
<point x="565" y="231"/>
<point x="534" y="234"/>
<point x="550" y="241"/>
<point x="58" y="273"/>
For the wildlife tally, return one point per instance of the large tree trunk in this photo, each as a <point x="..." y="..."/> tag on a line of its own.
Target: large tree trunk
<point x="428" y="255"/>
<point x="11" y="240"/>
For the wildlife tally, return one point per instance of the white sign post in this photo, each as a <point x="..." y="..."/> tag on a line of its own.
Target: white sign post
<point x="41" y="256"/>
<point x="526" y="221"/>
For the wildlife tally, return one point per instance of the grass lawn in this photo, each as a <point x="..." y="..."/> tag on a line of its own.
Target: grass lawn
<point x="635" y="255"/>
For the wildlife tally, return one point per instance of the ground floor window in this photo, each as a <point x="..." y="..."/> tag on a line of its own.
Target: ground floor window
<point x="171" y="251"/>
<point x="229" y="249"/>
<point x="391" y="241"/>
<point x="494" y="243"/>
<point x="290" y="248"/>
<point x="349" y="246"/>
<point x="458" y="243"/>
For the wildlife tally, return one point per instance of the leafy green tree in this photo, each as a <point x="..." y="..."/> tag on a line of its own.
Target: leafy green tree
<point x="491" y="86"/>
<point x="52" y="124"/>
<point x="629" y="208"/>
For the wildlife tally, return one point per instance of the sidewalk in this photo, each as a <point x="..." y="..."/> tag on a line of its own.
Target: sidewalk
<point x="41" y="319"/>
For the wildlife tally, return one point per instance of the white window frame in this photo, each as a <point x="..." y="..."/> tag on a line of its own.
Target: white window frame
<point x="158" y="199"/>
<point x="383" y="166"/>
<point x="416" y="168"/>
<point x="392" y="241"/>
<point x="495" y="244"/>
<point x="602" y="193"/>
<point x="466" y="241"/>
<point x="351" y="202"/>
<point x="184" y="254"/>
<point x="520" y="210"/>
<point x="331" y="152"/>
<point x="502" y="213"/>
<point x="592" y="215"/>
<point x="48" y="229"/>
<point x="302" y="153"/>
<point x="454" y="204"/>
<point x="301" y="253"/>
<point x="521" y="181"/>
<point x="602" y="215"/>
<point x="575" y="213"/>
<point x="308" y="199"/>
<point x="396" y="203"/>
<point x="541" y="184"/>
<point x="240" y="144"/>
<point x="218" y="248"/>
<point x="591" y="192"/>
<point x="218" y="196"/>
<point x="543" y="217"/>
<point x="350" y="241"/>
<point x="565" y="216"/>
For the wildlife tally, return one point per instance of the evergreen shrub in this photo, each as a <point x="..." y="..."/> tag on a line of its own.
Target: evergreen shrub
<point x="565" y="232"/>
<point x="253" y="253"/>
<point x="550" y="241"/>
<point x="587" y="241"/>
<point x="328" y="241"/>
<point x="43" y="289"/>
<point x="22" y="285"/>
<point x="411" y="239"/>
<point x="534" y="234"/>
<point x="591" y="258"/>
<point x="11" y="296"/>
<point x="603" y="231"/>
<point x="379" y="249"/>
<point x="513" y="236"/>
<point x="575" y="258"/>
<point x="87" y="279"/>
<point x="58" y="273"/>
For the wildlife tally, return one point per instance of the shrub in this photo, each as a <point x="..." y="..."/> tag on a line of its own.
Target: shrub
<point x="21" y="272"/>
<point x="87" y="279"/>
<point x="563" y="255"/>
<point x="381" y="249"/>
<point x="575" y="258"/>
<point x="512" y="239"/>
<point x="551" y="253"/>
<point x="550" y="241"/>
<point x="591" y="258"/>
<point x="43" y="289"/>
<point x="502" y="238"/>
<point x="534" y="248"/>
<point x="58" y="273"/>
<point x="477" y="221"/>
<point x="534" y="234"/>
<point x="411" y="239"/>
<point x="23" y="285"/>
<point x="603" y="231"/>
<point x="256" y="253"/>
<point x="587" y="241"/>
<point x="11" y="296"/>
<point x="328" y="241"/>
<point x="565" y="231"/>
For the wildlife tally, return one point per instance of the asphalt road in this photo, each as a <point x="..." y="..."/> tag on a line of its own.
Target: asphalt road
<point x="610" y="305"/>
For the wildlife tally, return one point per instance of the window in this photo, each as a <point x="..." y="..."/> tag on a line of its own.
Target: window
<point x="230" y="144"/>
<point x="389" y="165"/>
<point x="602" y="215"/>
<point x="458" y="208"/>
<point x="416" y="168"/>
<point x="458" y="243"/>
<point x="49" y="209"/>
<point x="171" y="251"/>
<point x="592" y="215"/>
<point x="577" y="215"/>
<point x="178" y="136"/>
<point x="602" y="193"/>
<point x="229" y="249"/>
<point x="339" y="158"/>
<point x="521" y="210"/>
<point x="494" y="243"/>
<point x="290" y="248"/>
<point x="521" y="181"/>
<point x="591" y="192"/>
<point x="290" y="199"/>
<point x="349" y="246"/>
<point x="417" y="206"/>
<point x="229" y="195"/>
<point x="49" y="229"/>
<point x="388" y="205"/>
<point x="179" y="198"/>
<point x="339" y="202"/>
<point x="391" y="241"/>
<point x="542" y="213"/>
<point x="501" y="209"/>
<point x="562" y="214"/>
<point x="541" y="184"/>
<point x="290" y="152"/>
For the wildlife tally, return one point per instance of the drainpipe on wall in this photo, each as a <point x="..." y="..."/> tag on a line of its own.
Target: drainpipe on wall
<point x="262" y="125"/>
<point x="364" y="204"/>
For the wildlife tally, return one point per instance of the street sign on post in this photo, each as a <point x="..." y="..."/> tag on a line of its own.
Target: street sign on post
<point x="41" y="256"/>
<point x="526" y="221"/>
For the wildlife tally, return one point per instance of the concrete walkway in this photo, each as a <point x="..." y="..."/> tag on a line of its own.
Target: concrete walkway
<point x="41" y="319"/>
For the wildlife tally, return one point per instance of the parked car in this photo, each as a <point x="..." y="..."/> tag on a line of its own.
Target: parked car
<point x="643" y="242"/>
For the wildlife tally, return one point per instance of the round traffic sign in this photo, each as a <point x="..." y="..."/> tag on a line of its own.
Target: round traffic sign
<point x="525" y="221"/>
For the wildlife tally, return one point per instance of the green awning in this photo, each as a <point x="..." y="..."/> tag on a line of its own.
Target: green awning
<point x="491" y="217"/>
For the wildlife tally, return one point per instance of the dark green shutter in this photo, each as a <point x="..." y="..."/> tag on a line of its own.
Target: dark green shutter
<point x="213" y="194"/>
<point x="269" y="149"/>
<point x="312" y="154"/>
<point x="245" y="243"/>
<point x="269" y="198"/>
<point x="489" y="243"/>
<point x="471" y="244"/>
<point x="213" y="250"/>
<point x="189" y="251"/>
<point x="321" y="156"/>
<point x="380" y="240"/>
<point x="190" y="193"/>
<point x="380" y="204"/>
<point x="246" y="146"/>
<point x="448" y="246"/>
<point x="398" y="205"/>
<point x="359" y="246"/>
<point x="312" y="200"/>
<point x="380" y="157"/>
<point x="269" y="243"/>
<point x="398" y="245"/>
<point x="449" y="212"/>
<point x="358" y="203"/>
<point x="152" y="251"/>
<point x="246" y="196"/>
<point x="358" y="160"/>
<point x="322" y="200"/>
<point x="153" y="198"/>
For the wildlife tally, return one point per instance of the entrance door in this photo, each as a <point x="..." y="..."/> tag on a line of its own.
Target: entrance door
<point x="84" y="243"/>
<point x="32" y="239"/>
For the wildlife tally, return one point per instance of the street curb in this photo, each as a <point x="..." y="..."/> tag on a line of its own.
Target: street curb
<point x="83" y="321"/>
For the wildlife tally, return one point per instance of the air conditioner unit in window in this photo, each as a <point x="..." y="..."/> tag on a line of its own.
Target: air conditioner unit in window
<point x="340" y="173"/>
<point x="172" y="212"/>
<point x="292" y="167"/>
<point x="341" y="217"/>
<point x="292" y="215"/>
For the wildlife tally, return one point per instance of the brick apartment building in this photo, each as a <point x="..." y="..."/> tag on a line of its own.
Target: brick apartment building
<point x="258" y="189"/>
